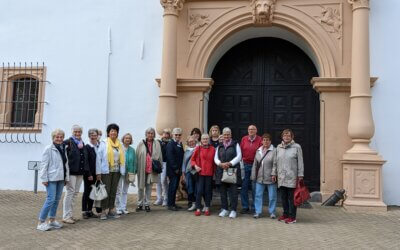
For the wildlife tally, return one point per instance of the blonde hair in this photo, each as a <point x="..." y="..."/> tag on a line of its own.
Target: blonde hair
<point x="125" y="135"/>
<point x="56" y="132"/>
<point x="214" y="126"/>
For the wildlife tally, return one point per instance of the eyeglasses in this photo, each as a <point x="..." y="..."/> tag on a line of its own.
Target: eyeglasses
<point x="178" y="134"/>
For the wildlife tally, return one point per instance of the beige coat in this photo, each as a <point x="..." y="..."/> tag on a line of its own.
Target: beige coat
<point x="288" y="164"/>
<point x="264" y="167"/>
<point x="141" y="152"/>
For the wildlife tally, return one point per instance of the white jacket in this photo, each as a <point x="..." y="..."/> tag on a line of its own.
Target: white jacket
<point x="103" y="167"/>
<point x="51" y="167"/>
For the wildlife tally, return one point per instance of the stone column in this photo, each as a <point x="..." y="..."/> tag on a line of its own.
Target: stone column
<point x="166" y="115"/>
<point x="362" y="166"/>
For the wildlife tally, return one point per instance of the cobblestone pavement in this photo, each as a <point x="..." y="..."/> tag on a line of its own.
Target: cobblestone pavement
<point x="328" y="228"/>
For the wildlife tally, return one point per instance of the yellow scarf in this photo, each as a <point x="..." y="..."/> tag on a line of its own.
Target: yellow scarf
<point x="110" y="153"/>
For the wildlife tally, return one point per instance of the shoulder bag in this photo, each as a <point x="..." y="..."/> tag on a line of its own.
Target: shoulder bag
<point x="155" y="164"/>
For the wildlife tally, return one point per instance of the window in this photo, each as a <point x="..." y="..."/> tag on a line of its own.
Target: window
<point x="22" y="98"/>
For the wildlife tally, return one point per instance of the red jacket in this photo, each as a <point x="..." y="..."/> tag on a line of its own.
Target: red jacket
<point x="204" y="158"/>
<point x="249" y="148"/>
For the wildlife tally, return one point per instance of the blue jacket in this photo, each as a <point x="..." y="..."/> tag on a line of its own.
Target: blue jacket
<point x="174" y="155"/>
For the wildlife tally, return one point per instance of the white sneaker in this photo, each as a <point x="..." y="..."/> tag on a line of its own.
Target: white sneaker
<point x="232" y="215"/>
<point x="165" y="204"/>
<point x="55" y="224"/>
<point x="125" y="211"/>
<point x="43" y="227"/>
<point x="223" y="213"/>
<point x="119" y="212"/>
<point x="157" y="203"/>
<point x="192" y="208"/>
<point x="272" y="216"/>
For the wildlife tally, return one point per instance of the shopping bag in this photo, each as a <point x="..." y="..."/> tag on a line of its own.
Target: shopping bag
<point x="301" y="193"/>
<point x="98" y="192"/>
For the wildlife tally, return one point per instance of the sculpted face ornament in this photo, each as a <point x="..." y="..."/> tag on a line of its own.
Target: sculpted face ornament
<point x="263" y="11"/>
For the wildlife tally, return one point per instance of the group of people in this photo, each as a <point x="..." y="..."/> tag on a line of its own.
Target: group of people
<point x="205" y="161"/>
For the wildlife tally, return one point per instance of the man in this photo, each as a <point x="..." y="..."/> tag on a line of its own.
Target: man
<point x="174" y="155"/>
<point x="249" y="145"/>
<point x="162" y="184"/>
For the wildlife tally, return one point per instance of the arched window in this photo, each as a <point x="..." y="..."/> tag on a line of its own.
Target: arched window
<point x="24" y="102"/>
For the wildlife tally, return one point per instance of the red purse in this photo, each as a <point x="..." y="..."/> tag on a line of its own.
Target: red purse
<point x="301" y="193"/>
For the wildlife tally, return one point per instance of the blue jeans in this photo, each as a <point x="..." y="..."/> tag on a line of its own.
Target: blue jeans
<point x="246" y="185"/>
<point x="54" y="192"/>
<point x="272" y="193"/>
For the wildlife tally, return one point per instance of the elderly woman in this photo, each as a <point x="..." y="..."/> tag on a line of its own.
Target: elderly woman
<point x="147" y="151"/>
<point x="288" y="168"/>
<point x="261" y="176"/>
<point x="214" y="134"/>
<point x="174" y="166"/>
<point x="128" y="177"/>
<point x="90" y="176"/>
<point x="162" y="184"/>
<point x="113" y="165"/>
<point x="54" y="173"/>
<point x="189" y="174"/>
<point x="227" y="158"/>
<point x="78" y="166"/>
<point x="203" y="163"/>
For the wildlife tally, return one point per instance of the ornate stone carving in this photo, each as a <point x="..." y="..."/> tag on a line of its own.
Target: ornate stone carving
<point x="263" y="11"/>
<point x="196" y="24"/>
<point x="357" y="4"/>
<point x="365" y="182"/>
<point x="331" y="20"/>
<point x="172" y="6"/>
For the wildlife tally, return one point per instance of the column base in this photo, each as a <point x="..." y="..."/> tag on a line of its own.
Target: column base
<point x="362" y="180"/>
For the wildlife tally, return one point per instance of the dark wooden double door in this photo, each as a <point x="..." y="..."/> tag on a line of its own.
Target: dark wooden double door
<point x="266" y="82"/>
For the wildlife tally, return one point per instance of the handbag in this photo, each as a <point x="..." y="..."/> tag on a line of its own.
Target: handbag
<point x="98" y="192"/>
<point x="156" y="166"/>
<point x="229" y="175"/>
<point x="301" y="193"/>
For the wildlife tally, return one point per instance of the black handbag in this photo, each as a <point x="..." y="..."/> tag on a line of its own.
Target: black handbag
<point x="156" y="166"/>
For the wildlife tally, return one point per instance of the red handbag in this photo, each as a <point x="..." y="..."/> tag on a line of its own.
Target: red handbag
<point x="301" y="193"/>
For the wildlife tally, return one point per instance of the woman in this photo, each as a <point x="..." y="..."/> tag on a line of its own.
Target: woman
<point x="287" y="170"/>
<point x="228" y="156"/>
<point x="214" y="134"/>
<point x="54" y="174"/>
<point x="196" y="133"/>
<point x="203" y="162"/>
<point x="162" y="184"/>
<point x="129" y="177"/>
<point x="113" y="166"/>
<point x="261" y="176"/>
<point x="147" y="151"/>
<point x="89" y="176"/>
<point x="190" y="175"/>
<point x="78" y="166"/>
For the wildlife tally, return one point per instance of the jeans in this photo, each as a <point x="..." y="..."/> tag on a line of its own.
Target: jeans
<point x="204" y="189"/>
<point x="54" y="192"/>
<point x="173" y="186"/>
<point x="87" y="203"/>
<point x="272" y="193"/>
<point x="191" y="186"/>
<point x="72" y="187"/>
<point x="111" y="181"/>
<point x="287" y="196"/>
<point x="246" y="186"/>
<point x="144" y="195"/>
<point x="122" y="193"/>
<point x="226" y="188"/>
<point x="162" y="184"/>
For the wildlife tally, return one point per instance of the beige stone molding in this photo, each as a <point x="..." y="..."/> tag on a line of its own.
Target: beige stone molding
<point x="189" y="85"/>
<point x="359" y="4"/>
<point x="263" y="11"/>
<point x="172" y="7"/>
<point x="337" y="84"/>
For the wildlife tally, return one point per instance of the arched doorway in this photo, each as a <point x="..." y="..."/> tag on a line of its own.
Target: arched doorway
<point x="266" y="82"/>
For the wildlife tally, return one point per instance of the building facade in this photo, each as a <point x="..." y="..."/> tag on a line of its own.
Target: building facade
<point x="301" y="64"/>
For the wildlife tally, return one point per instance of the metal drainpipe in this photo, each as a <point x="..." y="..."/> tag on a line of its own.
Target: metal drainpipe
<point x="108" y="75"/>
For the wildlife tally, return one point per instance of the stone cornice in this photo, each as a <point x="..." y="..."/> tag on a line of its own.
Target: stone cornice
<point x="338" y="84"/>
<point x="190" y="84"/>
<point x="359" y="4"/>
<point x="172" y="7"/>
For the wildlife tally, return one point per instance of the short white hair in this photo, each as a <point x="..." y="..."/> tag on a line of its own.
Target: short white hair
<point x="226" y="130"/>
<point x="77" y="127"/>
<point x="177" y="131"/>
<point x="205" y="135"/>
<point x="57" y="132"/>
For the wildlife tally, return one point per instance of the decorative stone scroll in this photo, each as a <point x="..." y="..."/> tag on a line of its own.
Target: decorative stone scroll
<point x="358" y="4"/>
<point x="263" y="11"/>
<point x="172" y="7"/>
<point x="197" y="23"/>
<point x="331" y="20"/>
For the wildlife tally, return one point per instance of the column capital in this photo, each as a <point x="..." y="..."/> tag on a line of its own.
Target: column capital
<point x="172" y="7"/>
<point x="359" y="4"/>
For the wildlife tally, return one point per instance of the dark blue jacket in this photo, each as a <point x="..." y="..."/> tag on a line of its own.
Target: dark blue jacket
<point x="174" y="155"/>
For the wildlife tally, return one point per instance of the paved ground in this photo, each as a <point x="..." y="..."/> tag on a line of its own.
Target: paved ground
<point x="328" y="228"/>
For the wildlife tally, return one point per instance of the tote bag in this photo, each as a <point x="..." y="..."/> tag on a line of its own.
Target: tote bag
<point x="301" y="193"/>
<point x="98" y="192"/>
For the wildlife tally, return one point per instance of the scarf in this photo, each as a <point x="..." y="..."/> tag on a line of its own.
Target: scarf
<point x="226" y="144"/>
<point x="283" y="145"/>
<point x="110" y="154"/>
<point x="78" y="143"/>
<point x="61" y="150"/>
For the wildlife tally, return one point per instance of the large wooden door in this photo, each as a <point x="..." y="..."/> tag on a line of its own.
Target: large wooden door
<point x="266" y="82"/>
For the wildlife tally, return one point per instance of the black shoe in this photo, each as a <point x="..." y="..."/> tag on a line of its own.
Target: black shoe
<point x="85" y="215"/>
<point x="178" y="207"/>
<point x="173" y="208"/>
<point x="92" y="215"/>
<point x="244" y="211"/>
<point x="147" y="208"/>
<point x="139" y="208"/>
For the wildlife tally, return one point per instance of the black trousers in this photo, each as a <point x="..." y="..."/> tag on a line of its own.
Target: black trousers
<point x="87" y="203"/>
<point x="287" y="196"/>
<point x="231" y="190"/>
<point x="204" y="189"/>
<point x="172" y="187"/>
